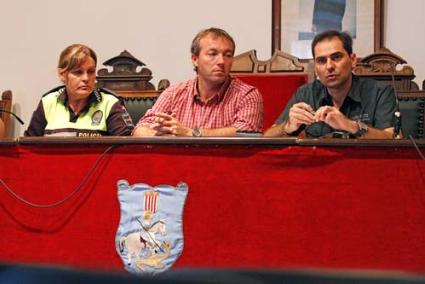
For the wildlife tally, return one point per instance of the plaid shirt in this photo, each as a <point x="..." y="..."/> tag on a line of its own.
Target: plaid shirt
<point x="237" y="104"/>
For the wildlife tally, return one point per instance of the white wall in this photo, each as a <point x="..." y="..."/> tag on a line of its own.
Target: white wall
<point x="404" y="26"/>
<point x="158" y="32"/>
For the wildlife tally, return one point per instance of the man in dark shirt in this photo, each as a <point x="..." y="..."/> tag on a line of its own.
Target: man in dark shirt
<point x="338" y="102"/>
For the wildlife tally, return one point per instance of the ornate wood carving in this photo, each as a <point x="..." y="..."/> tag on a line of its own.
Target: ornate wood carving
<point x="247" y="62"/>
<point x="125" y="74"/>
<point x="382" y="66"/>
<point x="129" y="77"/>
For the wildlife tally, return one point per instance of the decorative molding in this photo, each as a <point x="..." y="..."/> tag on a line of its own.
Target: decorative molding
<point x="280" y="62"/>
<point x="125" y="74"/>
<point x="382" y="66"/>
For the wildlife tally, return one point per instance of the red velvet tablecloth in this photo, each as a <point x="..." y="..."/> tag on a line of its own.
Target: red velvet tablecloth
<point x="248" y="206"/>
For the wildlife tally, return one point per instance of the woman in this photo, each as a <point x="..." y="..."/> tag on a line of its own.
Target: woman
<point x="77" y="108"/>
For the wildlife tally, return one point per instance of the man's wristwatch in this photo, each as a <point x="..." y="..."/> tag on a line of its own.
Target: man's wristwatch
<point x="363" y="128"/>
<point x="196" y="132"/>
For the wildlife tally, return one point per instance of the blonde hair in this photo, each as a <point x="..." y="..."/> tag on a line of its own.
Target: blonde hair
<point x="75" y="55"/>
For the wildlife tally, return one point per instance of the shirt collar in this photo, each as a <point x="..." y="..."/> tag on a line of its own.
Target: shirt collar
<point x="94" y="98"/>
<point x="353" y="93"/>
<point x="219" y="95"/>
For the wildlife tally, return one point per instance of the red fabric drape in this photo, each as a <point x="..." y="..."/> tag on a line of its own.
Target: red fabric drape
<point x="247" y="206"/>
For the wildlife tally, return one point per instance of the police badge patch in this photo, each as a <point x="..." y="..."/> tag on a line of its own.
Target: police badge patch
<point x="96" y="117"/>
<point x="149" y="238"/>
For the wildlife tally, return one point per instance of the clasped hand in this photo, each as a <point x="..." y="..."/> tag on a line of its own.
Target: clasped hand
<point x="302" y="113"/>
<point x="168" y="125"/>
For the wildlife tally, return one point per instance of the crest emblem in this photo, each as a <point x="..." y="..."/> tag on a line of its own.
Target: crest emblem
<point x="149" y="238"/>
<point x="96" y="117"/>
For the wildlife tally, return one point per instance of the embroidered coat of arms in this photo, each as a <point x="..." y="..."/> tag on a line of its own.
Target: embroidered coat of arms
<point x="149" y="238"/>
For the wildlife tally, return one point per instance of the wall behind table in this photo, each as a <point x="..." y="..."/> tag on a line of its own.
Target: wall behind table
<point x="404" y="22"/>
<point x="157" y="32"/>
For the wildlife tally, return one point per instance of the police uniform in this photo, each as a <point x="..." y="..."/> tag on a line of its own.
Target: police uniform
<point x="103" y="114"/>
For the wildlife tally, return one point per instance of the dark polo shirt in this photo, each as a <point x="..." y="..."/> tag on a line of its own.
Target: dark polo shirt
<point x="372" y="102"/>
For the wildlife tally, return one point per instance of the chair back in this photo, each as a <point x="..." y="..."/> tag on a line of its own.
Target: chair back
<point x="412" y="109"/>
<point x="277" y="79"/>
<point x="381" y="66"/>
<point x="130" y="80"/>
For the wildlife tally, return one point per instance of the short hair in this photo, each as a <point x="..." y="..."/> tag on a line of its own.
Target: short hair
<point x="344" y="37"/>
<point x="195" y="47"/>
<point x="75" y="55"/>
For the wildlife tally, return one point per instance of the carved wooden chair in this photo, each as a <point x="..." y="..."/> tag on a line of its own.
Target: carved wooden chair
<point x="382" y="66"/>
<point x="130" y="80"/>
<point x="277" y="79"/>
<point x="412" y="108"/>
<point x="5" y="104"/>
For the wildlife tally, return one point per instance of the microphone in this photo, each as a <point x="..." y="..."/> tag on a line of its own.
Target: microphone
<point x="397" y="124"/>
<point x="13" y="114"/>
<point x="397" y="113"/>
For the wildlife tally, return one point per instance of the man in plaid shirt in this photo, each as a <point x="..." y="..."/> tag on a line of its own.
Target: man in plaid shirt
<point x="211" y="104"/>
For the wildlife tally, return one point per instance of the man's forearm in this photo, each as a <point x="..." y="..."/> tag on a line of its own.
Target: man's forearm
<point x="143" y="131"/>
<point x="371" y="133"/>
<point x="277" y="130"/>
<point x="374" y="133"/>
